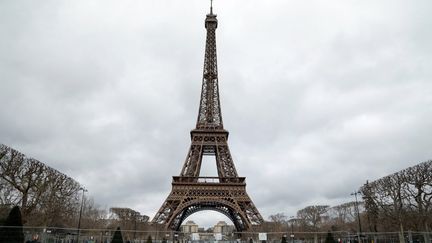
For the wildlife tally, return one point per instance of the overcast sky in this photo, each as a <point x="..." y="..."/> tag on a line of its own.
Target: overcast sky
<point x="318" y="96"/>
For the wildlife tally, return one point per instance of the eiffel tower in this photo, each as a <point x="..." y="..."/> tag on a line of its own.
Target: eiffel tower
<point x="225" y="193"/>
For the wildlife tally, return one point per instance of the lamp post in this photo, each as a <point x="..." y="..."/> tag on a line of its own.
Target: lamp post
<point x="358" y="214"/>
<point x="80" y="214"/>
<point x="292" y="228"/>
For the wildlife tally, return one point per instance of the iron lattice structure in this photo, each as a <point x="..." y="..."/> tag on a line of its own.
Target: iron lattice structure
<point x="225" y="193"/>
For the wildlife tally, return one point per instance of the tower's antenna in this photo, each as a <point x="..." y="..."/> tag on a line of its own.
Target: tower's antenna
<point x="211" y="6"/>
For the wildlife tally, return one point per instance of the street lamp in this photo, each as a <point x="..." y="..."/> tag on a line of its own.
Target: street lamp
<point x="81" y="209"/>
<point x="292" y="228"/>
<point x="358" y="214"/>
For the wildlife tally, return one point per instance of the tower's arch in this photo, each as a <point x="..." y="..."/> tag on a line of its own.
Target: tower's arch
<point x="239" y="220"/>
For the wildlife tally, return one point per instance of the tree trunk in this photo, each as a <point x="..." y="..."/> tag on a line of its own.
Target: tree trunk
<point x="401" y="234"/>
<point x="426" y="235"/>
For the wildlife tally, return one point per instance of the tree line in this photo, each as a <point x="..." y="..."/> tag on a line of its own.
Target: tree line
<point x="400" y="201"/>
<point x="47" y="197"/>
<point x="317" y="218"/>
<point x="44" y="195"/>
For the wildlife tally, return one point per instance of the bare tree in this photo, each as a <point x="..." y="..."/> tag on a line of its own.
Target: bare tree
<point x="371" y="206"/>
<point x="59" y="201"/>
<point x="419" y="190"/>
<point x="93" y="216"/>
<point x="35" y="187"/>
<point x="128" y="216"/>
<point x="343" y="216"/>
<point x="279" y="221"/>
<point x="400" y="200"/>
<point x="279" y="217"/>
<point x="311" y="216"/>
<point x="24" y="175"/>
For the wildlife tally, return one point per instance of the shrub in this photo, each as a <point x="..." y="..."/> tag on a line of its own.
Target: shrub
<point x="14" y="232"/>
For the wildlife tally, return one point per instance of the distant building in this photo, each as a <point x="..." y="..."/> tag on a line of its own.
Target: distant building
<point x="223" y="228"/>
<point x="189" y="227"/>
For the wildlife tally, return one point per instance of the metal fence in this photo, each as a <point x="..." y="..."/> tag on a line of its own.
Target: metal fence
<point x="71" y="235"/>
